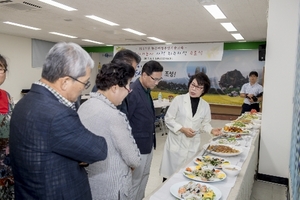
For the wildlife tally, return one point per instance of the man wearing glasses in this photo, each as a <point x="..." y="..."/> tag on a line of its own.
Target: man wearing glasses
<point x="141" y="116"/>
<point x="47" y="139"/>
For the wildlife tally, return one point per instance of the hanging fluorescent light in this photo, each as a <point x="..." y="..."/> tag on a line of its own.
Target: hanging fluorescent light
<point x="109" y="45"/>
<point x="92" y="41"/>
<point x="229" y="27"/>
<point x="102" y="20"/>
<point x="237" y="36"/>
<point x="168" y="43"/>
<point x="133" y="31"/>
<point x="58" y="5"/>
<point x="23" y="26"/>
<point x="61" y="34"/>
<point x="215" y="11"/>
<point x="156" y="39"/>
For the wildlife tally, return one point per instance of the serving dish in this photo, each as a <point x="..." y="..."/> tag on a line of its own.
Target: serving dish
<point x="214" y="161"/>
<point x="179" y="190"/>
<point x="224" y="150"/>
<point x="231" y="170"/>
<point x="204" y="174"/>
<point x="235" y="130"/>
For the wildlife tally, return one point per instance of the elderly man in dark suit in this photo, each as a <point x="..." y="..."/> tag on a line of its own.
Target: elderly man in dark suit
<point x="47" y="139"/>
<point x="141" y="116"/>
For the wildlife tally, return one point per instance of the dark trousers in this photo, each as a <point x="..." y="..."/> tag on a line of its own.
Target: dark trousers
<point x="247" y="107"/>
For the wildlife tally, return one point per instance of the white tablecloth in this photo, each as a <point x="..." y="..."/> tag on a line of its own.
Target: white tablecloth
<point x="161" y="103"/>
<point x="238" y="187"/>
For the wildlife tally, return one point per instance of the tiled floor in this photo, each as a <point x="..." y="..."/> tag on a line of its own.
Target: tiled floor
<point x="261" y="190"/>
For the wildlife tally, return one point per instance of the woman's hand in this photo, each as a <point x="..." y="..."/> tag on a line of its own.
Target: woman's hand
<point x="188" y="132"/>
<point x="216" y="131"/>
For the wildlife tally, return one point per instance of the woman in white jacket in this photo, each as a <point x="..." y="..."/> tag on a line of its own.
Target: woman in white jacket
<point x="187" y="117"/>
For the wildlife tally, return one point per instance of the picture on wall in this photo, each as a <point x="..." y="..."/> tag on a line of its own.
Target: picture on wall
<point x="226" y="76"/>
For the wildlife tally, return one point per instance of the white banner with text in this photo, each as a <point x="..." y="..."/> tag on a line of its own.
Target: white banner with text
<point x="177" y="52"/>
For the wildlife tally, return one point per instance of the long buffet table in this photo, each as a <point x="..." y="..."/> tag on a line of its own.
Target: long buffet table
<point x="239" y="187"/>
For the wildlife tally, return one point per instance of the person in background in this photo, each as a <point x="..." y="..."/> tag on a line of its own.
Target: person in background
<point x="130" y="57"/>
<point x="100" y="115"/>
<point x="188" y="116"/>
<point x="141" y="116"/>
<point x="252" y="93"/>
<point x="47" y="140"/>
<point x="6" y="107"/>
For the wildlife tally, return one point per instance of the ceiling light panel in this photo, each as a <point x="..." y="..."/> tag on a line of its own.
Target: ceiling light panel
<point x="156" y="39"/>
<point x="102" y="20"/>
<point x="237" y="36"/>
<point x="61" y="34"/>
<point x="92" y="41"/>
<point x="23" y="26"/>
<point x="229" y="27"/>
<point x="133" y="31"/>
<point x="215" y="11"/>
<point x="58" y="5"/>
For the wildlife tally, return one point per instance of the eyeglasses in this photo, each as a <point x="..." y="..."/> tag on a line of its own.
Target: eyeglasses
<point x="86" y="85"/>
<point x="197" y="87"/>
<point x="128" y="90"/>
<point x="3" y="70"/>
<point x="155" y="79"/>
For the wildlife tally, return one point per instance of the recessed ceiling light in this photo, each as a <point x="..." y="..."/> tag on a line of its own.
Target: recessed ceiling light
<point x="109" y="45"/>
<point x="133" y="31"/>
<point x="168" y="43"/>
<point x="23" y="26"/>
<point x="102" y="20"/>
<point x="228" y="26"/>
<point x="237" y="36"/>
<point x="58" y="5"/>
<point x="61" y="34"/>
<point x="215" y="11"/>
<point x="156" y="39"/>
<point x="92" y="41"/>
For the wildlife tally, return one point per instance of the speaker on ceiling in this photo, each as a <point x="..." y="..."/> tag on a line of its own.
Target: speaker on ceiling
<point x="261" y="52"/>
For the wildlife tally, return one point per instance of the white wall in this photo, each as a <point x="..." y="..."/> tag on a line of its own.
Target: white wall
<point x="21" y="75"/>
<point x="17" y="51"/>
<point x="279" y="81"/>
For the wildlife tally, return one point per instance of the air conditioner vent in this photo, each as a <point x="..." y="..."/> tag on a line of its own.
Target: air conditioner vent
<point x="31" y="4"/>
<point x="25" y="6"/>
<point x="7" y="1"/>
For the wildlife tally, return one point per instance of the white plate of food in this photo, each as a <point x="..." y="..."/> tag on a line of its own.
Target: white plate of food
<point x="235" y="130"/>
<point x="240" y="124"/>
<point x="227" y="140"/>
<point x="204" y="174"/>
<point x="214" y="161"/>
<point x="223" y="150"/>
<point x="184" y="190"/>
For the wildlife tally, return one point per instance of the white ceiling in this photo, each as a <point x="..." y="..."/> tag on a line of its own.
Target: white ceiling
<point x="175" y="21"/>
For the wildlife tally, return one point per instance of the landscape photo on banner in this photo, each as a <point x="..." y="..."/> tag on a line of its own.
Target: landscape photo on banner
<point x="227" y="76"/>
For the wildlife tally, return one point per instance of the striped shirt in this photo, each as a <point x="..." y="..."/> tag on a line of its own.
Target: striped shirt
<point x="254" y="89"/>
<point x="60" y="98"/>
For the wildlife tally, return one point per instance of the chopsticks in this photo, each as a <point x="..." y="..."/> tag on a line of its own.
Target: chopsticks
<point x="205" y="150"/>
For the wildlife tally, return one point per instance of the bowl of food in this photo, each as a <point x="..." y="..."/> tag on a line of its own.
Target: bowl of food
<point x="257" y="121"/>
<point x="256" y="126"/>
<point x="231" y="170"/>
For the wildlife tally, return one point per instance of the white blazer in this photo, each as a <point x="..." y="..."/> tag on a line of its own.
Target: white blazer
<point x="179" y="148"/>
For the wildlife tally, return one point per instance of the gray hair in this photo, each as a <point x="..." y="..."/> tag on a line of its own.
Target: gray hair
<point x="66" y="59"/>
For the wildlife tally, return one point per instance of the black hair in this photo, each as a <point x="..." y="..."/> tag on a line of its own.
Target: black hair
<point x="203" y="80"/>
<point x="3" y="61"/>
<point x="152" y="66"/>
<point x="111" y="74"/>
<point x="253" y="73"/>
<point x="126" y="55"/>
